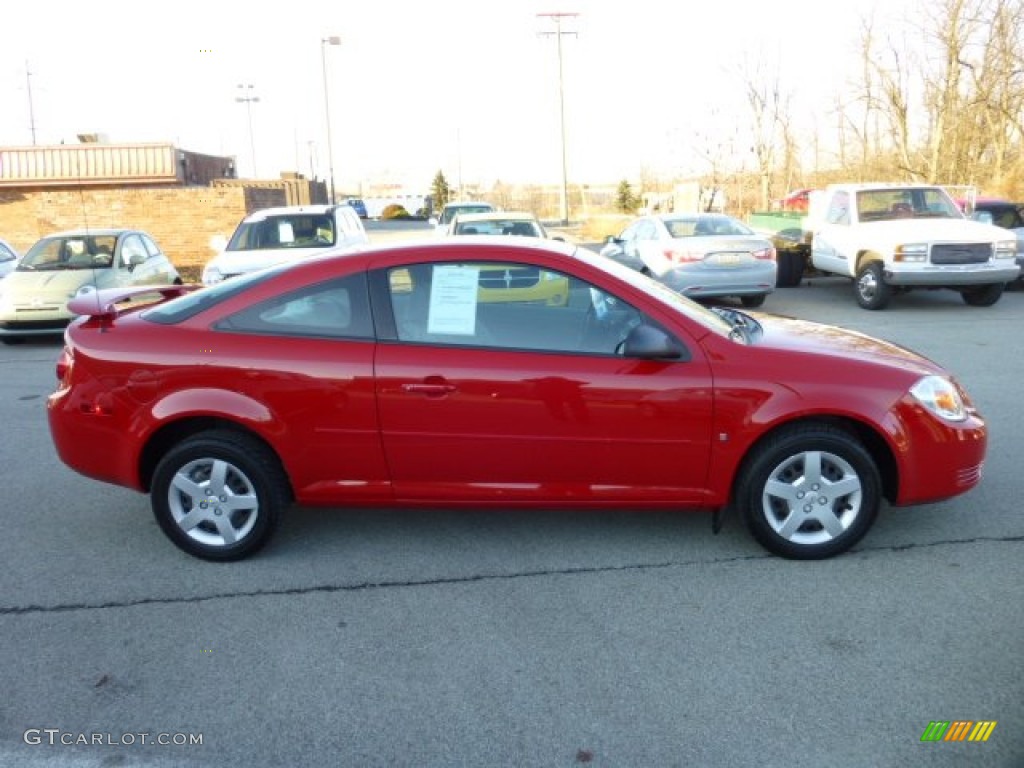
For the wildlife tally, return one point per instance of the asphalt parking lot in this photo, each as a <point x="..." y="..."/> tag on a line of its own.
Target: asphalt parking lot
<point x="394" y="638"/>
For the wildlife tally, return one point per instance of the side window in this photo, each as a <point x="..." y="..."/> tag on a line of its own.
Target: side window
<point x="336" y="309"/>
<point x="646" y="231"/>
<point x="151" y="247"/>
<point x="507" y="306"/>
<point x="839" y="209"/>
<point x="132" y="251"/>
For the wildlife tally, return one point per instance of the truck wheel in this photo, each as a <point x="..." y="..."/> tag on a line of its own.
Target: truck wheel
<point x="791" y="269"/>
<point x="872" y="290"/>
<point x="809" y="492"/>
<point x="983" y="295"/>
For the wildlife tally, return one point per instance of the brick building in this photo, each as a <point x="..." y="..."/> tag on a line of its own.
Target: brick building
<point x="182" y="198"/>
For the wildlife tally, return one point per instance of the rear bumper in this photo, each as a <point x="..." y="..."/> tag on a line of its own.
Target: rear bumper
<point x="753" y="280"/>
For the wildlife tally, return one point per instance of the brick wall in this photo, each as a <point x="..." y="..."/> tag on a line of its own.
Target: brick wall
<point x="181" y="219"/>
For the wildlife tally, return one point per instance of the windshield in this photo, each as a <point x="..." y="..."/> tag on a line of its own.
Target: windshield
<point x="70" y="252"/>
<point x="701" y="226"/>
<point x="451" y="211"/>
<point x="498" y="227"/>
<point x="713" y="321"/>
<point x="902" y="203"/>
<point x="306" y="230"/>
<point x="184" y="307"/>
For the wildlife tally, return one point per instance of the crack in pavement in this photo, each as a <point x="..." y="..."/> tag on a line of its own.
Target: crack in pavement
<point x="467" y="579"/>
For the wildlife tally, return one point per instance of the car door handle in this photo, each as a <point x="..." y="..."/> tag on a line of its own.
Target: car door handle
<point x="430" y="390"/>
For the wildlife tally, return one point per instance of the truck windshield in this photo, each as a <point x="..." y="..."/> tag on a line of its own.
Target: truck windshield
<point x="906" y="203"/>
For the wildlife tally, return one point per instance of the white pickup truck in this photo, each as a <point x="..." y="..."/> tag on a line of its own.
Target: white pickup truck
<point x="891" y="238"/>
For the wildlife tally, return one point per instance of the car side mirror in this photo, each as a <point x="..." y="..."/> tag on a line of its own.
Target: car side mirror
<point x="650" y="343"/>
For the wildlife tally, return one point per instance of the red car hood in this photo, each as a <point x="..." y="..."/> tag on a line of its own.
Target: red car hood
<point x="786" y="333"/>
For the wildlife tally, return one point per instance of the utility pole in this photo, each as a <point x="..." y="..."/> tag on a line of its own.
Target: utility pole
<point x="31" y="109"/>
<point x="245" y="96"/>
<point x="557" y="19"/>
<point x="324" y="42"/>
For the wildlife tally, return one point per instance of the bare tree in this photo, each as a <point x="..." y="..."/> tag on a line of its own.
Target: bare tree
<point x="769" y="112"/>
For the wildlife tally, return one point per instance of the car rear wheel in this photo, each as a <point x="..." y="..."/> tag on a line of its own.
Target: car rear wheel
<point x="809" y="492"/>
<point x="752" y="302"/>
<point x="983" y="295"/>
<point x="219" y="494"/>
<point x="872" y="290"/>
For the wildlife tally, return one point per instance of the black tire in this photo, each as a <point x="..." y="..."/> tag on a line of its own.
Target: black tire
<point x="983" y="295"/>
<point x="241" y="509"/>
<point x="792" y="265"/>
<point x="872" y="290"/>
<point x="753" y="302"/>
<point x="809" y="492"/>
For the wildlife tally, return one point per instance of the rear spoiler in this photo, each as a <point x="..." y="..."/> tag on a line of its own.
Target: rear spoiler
<point x="102" y="304"/>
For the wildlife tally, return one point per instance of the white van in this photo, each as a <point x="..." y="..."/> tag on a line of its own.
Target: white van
<point x="273" y="235"/>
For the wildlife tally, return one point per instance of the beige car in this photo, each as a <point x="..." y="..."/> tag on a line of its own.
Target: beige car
<point x="34" y="297"/>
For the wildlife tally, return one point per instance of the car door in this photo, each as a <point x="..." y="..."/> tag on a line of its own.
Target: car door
<point x="490" y="396"/>
<point x="831" y="241"/>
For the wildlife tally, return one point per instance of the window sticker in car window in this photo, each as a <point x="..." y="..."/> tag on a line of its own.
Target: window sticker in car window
<point x="453" y="300"/>
<point x="285" y="233"/>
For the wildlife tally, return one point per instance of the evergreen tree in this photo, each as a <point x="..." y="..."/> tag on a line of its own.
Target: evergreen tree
<point x="440" y="191"/>
<point x="625" y="200"/>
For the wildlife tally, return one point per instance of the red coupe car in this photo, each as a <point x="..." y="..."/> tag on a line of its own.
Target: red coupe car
<point x="436" y="374"/>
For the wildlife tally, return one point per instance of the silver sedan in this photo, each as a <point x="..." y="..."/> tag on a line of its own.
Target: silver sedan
<point x="700" y="255"/>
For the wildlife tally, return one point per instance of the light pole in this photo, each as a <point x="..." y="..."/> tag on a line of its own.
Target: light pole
<point x="324" y="42"/>
<point x="245" y="96"/>
<point x="557" y="18"/>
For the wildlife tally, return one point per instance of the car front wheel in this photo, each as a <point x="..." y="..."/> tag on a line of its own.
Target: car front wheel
<point x="218" y="495"/>
<point x="809" y="492"/>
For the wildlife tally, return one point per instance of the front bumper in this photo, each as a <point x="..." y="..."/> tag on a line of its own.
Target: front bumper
<point x="947" y="275"/>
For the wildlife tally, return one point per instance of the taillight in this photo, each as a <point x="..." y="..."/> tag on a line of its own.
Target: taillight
<point x="64" y="363"/>
<point x="680" y="256"/>
<point x="768" y="254"/>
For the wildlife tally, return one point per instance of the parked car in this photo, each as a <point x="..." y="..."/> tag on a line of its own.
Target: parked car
<point x="797" y="200"/>
<point x="1005" y="214"/>
<point x="357" y="205"/>
<point x="8" y="258"/>
<point x="700" y="255"/>
<point x="332" y="383"/>
<point x="441" y="222"/>
<point x="273" y="235"/>
<point x="515" y="223"/>
<point x="59" y="267"/>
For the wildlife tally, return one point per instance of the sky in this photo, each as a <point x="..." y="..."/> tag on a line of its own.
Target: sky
<point x="467" y="87"/>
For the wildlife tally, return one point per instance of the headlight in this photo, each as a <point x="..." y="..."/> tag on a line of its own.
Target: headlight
<point x="911" y="252"/>
<point x="84" y="290"/>
<point x="1005" y="249"/>
<point x="941" y="397"/>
